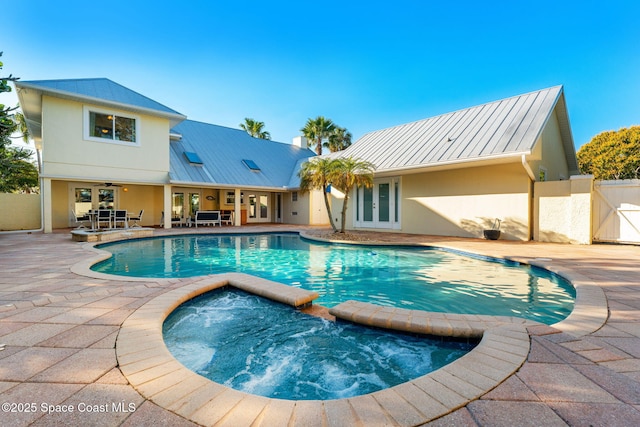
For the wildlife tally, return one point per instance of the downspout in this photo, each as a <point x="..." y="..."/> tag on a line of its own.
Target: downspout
<point x="532" y="180"/>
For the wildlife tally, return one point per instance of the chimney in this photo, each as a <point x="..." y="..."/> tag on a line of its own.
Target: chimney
<point x="300" y="141"/>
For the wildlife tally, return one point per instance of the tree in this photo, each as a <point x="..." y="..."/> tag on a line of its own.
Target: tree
<point x="17" y="172"/>
<point x="612" y="155"/>
<point x="347" y="174"/>
<point x="338" y="140"/>
<point x="317" y="131"/>
<point x="7" y="124"/>
<point x="317" y="174"/>
<point x="255" y="128"/>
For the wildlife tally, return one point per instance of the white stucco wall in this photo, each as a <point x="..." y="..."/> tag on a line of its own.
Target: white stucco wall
<point x="66" y="153"/>
<point x="562" y="210"/>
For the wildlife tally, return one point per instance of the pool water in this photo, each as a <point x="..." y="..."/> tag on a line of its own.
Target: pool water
<point x="266" y="348"/>
<point x="406" y="277"/>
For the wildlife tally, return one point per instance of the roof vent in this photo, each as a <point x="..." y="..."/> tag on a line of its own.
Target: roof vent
<point x="193" y="158"/>
<point x="251" y="165"/>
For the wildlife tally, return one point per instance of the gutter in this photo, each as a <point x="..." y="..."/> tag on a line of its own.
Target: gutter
<point x="527" y="168"/>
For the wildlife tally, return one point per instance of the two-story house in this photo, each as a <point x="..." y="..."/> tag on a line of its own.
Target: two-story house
<point x="106" y="146"/>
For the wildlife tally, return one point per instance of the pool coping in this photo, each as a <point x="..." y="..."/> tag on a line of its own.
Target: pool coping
<point x="152" y="371"/>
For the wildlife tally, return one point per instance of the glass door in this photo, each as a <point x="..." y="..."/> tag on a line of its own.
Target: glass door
<point x="378" y="206"/>
<point x="259" y="207"/>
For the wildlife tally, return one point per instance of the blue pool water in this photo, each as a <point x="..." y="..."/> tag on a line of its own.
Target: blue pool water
<point x="262" y="347"/>
<point x="406" y="277"/>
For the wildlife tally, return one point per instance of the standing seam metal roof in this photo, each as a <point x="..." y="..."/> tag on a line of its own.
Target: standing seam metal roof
<point x="99" y="89"/>
<point x="222" y="151"/>
<point x="506" y="127"/>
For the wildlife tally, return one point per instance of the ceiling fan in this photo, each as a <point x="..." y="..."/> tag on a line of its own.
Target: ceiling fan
<point x="107" y="184"/>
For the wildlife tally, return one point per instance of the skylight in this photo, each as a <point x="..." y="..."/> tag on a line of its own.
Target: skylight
<point x="193" y="158"/>
<point x="251" y="165"/>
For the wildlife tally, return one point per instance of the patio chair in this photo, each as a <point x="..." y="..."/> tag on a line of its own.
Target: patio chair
<point x="80" y="221"/>
<point x="104" y="215"/>
<point x="120" y="216"/>
<point x="136" y="219"/>
<point x="226" y="217"/>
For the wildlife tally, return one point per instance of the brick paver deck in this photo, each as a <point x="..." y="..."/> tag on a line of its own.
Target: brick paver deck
<point x="59" y="327"/>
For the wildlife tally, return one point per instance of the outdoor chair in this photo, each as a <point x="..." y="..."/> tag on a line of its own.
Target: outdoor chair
<point x="136" y="219"/>
<point x="104" y="215"/>
<point x="80" y="220"/>
<point x="120" y="216"/>
<point x="226" y="217"/>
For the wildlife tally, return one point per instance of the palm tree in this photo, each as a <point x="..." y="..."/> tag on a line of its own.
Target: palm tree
<point x="347" y="174"/>
<point x="317" y="130"/>
<point x="339" y="140"/>
<point x="255" y="128"/>
<point x="24" y="130"/>
<point x="317" y="174"/>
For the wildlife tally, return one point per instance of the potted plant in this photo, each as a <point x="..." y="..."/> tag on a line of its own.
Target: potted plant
<point x="494" y="232"/>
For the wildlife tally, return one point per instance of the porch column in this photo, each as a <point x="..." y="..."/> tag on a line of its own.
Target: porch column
<point x="237" y="208"/>
<point x="46" y="209"/>
<point x="167" y="207"/>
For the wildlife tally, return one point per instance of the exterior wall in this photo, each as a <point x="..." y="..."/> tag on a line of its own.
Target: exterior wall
<point x="67" y="154"/>
<point x="309" y="209"/>
<point x="137" y="197"/>
<point x="562" y="210"/>
<point x="147" y="197"/>
<point x="60" y="204"/>
<point x="464" y="202"/>
<point x="19" y="212"/>
<point x="549" y="153"/>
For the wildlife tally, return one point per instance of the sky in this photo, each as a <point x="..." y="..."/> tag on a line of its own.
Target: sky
<point x="365" y="65"/>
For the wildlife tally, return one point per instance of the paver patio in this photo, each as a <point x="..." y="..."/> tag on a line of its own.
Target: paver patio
<point x="58" y="332"/>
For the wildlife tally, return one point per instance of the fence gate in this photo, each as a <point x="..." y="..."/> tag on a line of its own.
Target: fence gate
<point x="616" y="211"/>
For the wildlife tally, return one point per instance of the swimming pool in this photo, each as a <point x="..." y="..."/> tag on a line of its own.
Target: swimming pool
<point x="407" y="277"/>
<point x="266" y="348"/>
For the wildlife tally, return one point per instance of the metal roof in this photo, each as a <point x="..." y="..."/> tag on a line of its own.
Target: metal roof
<point x="224" y="151"/>
<point x="100" y="89"/>
<point x="504" y="128"/>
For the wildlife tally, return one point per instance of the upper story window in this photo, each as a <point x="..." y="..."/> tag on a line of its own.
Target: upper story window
<point x="107" y="126"/>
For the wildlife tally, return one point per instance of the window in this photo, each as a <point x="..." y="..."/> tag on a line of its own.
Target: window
<point x="109" y="126"/>
<point x="294" y="196"/>
<point x="251" y="165"/>
<point x="193" y="158"/>
<point x="231" y="198"/>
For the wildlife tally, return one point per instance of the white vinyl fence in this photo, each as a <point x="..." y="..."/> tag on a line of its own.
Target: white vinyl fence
<point x="616" y="211"/>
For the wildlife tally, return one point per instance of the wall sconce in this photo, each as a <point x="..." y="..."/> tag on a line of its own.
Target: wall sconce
<point x="125" y="189"/>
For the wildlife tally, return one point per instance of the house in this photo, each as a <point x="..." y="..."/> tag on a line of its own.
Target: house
<point x="106" y="146"/>
<point x="460" y="173"/>
<point x="457" y="174"/>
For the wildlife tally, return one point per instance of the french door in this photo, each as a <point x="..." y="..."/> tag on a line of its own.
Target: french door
<point x="88" y="197"/>
<point x="379" y="206"/>
<point x="259" y="207"/>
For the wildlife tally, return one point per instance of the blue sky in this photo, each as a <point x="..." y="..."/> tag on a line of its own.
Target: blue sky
<point x="367" y="66"/>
